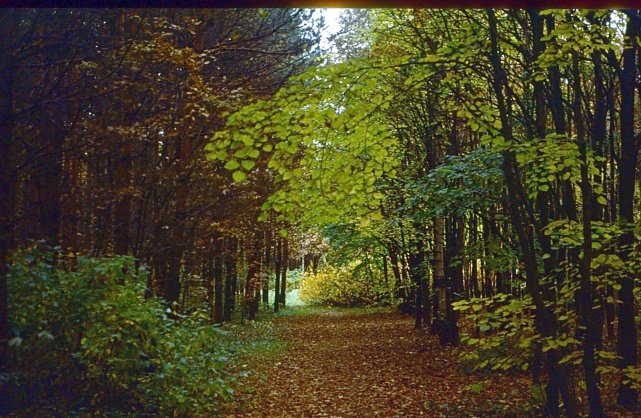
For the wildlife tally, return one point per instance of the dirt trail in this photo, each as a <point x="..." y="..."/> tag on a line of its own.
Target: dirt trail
<point x="355" y="364"/>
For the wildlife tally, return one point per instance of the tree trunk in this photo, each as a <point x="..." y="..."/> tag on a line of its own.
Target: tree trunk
<point x="218" y="316"/>
<point x="440" y="285"/>
<point x="456" y="253"/>
<point x="278" y="263"/>
<point x="474" y="276"/>
<point x="416" y="259"/>
<point x="283" y="277"/>
<point x="49" y="180"/>
<point x="252" y="281"/>
<point x="230" y="278"/>
<point x="587" y="298"/>
<point x="488" y="271"/>
<point x="385" y="272"/>
<point x="267" y="265"/>
<point x="399" y="288"/>
<point x="122" y="210"/>
<point x="70" y="217"/>
<point x="208" y="282"/>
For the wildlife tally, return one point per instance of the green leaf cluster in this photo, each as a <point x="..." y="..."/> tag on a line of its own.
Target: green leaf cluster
<point x="506" y="333"/>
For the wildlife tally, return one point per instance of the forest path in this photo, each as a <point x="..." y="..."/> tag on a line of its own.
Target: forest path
<point x="355" y="363"/>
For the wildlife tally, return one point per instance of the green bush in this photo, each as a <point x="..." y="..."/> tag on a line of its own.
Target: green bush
<point x="190" y="378"/>
<point x="88" y="339"/>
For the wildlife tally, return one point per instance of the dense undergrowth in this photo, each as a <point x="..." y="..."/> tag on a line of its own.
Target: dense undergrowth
<point x="87" y="339"/>
<point x="345" y="286"/>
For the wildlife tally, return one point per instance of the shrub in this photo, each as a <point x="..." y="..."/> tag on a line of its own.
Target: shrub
<point x="343" y="286"/>
<point x="190" y="378"/>
<point x="88" y="339"/>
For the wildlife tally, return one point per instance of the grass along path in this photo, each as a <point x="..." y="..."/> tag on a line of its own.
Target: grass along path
<point x="369" y="363"/>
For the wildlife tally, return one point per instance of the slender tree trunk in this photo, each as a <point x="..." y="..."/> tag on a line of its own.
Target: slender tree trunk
<point x="179" y="237"/>
<point x="70" y="217"/>
<point x="474" y="275"/>
<point x="208" y="279"/>
<point x="267" y="265"/>
<point x="283" y="277"/>
<point x="396" y="271"/>
<point x="488" y="271"/>
<point x="218" y="279"/>
<point x="446" y="326"/>
<point x="543" y="198"/>
<point x="49" y="183"/>
<point x="427" y="302"/>
<point x="252" y="281"/>
<point x="171" y="277"/>
<point x="439" y="276"/>
<point x="278" y="264"/>
<point x="122" y="210"/>
<point x="586" y="294"/>
<point x="385" y="271"/>
<point x="458" y="234"/>
<point x="230" y="278"/>
<point x="415" y="263"/>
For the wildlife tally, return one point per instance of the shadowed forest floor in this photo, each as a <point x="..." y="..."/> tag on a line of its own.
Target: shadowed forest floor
<point x="342" y="363"/>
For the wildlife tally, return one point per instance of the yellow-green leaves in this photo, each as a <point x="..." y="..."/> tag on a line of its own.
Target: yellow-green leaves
<point x="238" y="176"/>
<point x="232" y="165"/>
<point x="323" y="139"/>
<point x="248" y="164"/>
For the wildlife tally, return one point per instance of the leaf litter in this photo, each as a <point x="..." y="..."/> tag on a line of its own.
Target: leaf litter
<point x="354" y="363"/>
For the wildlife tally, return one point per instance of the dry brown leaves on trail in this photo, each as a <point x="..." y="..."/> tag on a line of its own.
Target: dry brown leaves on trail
<point x="355" y="364"/>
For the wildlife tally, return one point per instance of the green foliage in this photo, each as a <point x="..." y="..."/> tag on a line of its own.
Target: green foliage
<point x="324" y="124"/>
<point x="346" y="286"/>
<point x="293" y="278"/>
<point x="473" y="181"/>
<point x="353" y="241"/>
<point x="566" y="233"/>
<point x="91" y="333"/>
<point x="506" y="332"/>
<point x="189" y="379"/>
<point x="573" y="34"/>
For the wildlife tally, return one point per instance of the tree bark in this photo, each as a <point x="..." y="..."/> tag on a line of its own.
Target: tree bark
<point x="399" y="288"/>
<point x="122" y="210"/>
<point x="252" y="281"/>
<point x="218" y="316"/>
<point x="283" y="277"/>
<point x="278" y="263"/>
<point x="587" y="293"/>
<point x="416" y="259"/>
<point x="267" y="265"/>
<point x="230" y="278"/>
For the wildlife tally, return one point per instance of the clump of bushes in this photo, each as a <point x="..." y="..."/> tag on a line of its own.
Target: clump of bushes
<point x="87" y="339"/>
<point x="347" y="286"/>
